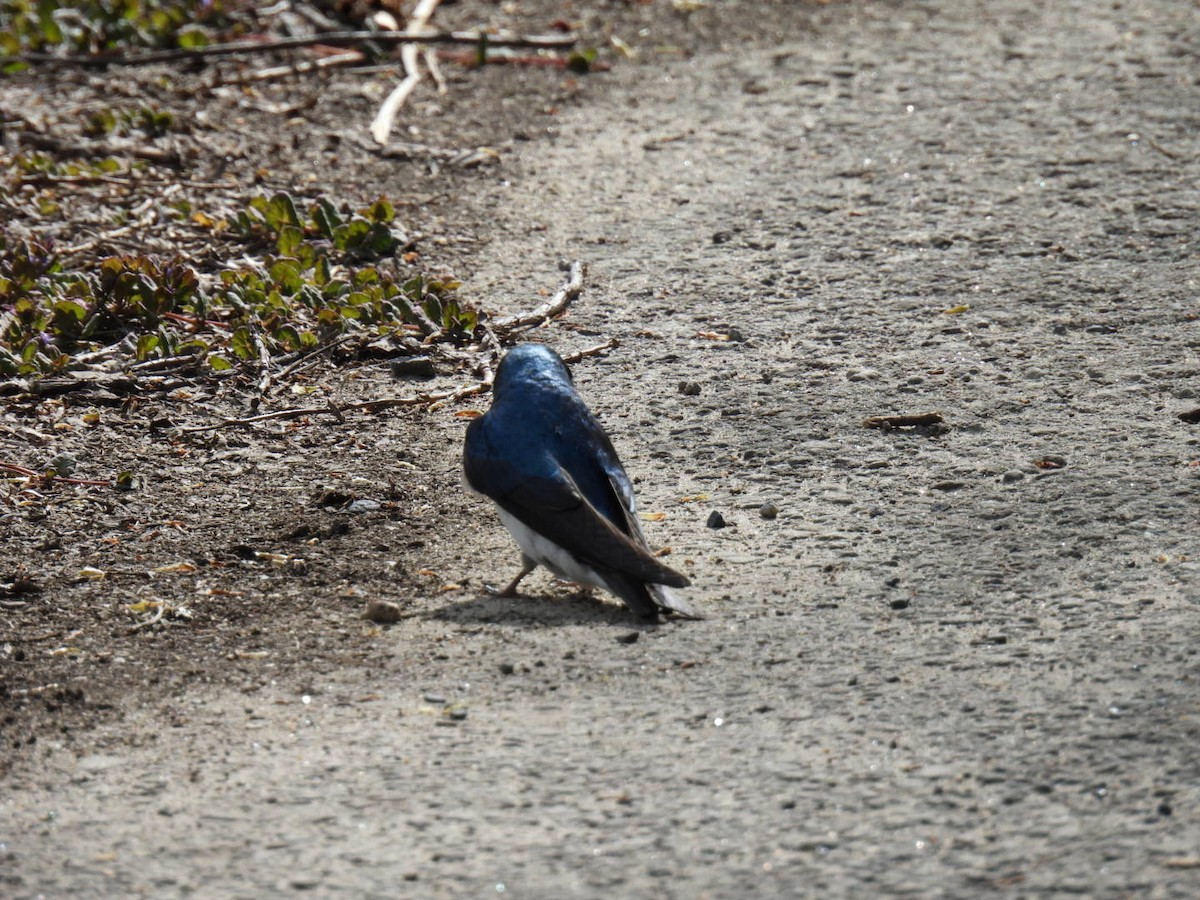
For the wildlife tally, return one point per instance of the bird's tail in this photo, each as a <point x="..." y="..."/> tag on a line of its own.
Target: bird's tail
<point x="669" y="601"/>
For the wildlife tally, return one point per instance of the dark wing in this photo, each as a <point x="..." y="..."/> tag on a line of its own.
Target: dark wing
<point x="555" y="508"/>
<point x="548" y="501"/>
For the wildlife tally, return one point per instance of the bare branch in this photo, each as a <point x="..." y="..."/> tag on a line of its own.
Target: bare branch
<point x="328" y="39"/>
<point x="410" y="56"/>
<point x="556" y="305"/>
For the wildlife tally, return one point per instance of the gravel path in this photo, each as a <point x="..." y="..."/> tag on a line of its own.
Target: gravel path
<point x="949" y="661"/>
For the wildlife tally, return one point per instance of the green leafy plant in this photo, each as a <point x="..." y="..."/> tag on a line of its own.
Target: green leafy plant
<point x="31" y="165"/>
<point x="147" y="119"/>
<point x="95" y="26"/>
<point x="313" y="287"/>
<point x="361" y="234"/>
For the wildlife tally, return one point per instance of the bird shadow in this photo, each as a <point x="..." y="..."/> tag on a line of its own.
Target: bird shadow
<point x="538" y="610"/>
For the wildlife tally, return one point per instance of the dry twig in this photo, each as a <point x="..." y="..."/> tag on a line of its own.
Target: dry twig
<point x="556" y="305"/>
<point x="45" y="477"/>
<point x="567" y="291"/>
<point x="386" y="117"/>
<point x="328" y="39"/>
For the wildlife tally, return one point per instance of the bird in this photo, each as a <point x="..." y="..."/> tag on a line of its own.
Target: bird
<point x="544" y="459"/>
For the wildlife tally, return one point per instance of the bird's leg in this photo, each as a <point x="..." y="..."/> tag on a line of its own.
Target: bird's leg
<point x="527" y="566"/>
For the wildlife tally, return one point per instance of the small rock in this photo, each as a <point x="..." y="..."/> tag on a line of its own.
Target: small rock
<point x="689" y="388"/>
<point x="716" y="520"/>
<point x="768" y="510"/>
<point x="64" y="464"/>
<point x="722" y="237"/>
<point x="1012" y="475"/>
<point x="630" y="638"/>
<point x="507" y="668"/>
<point x="436" y="699"/>
<point x="862" y="375"/>
<point x="363" y="506"/>
<point x="98" y="763"/>
<point x="382" y="612"/>
<point x="332" y="497"/>
<point x="949" y="485"/>
<point x="413" y="367"/>
<point x="899" y="603"/>
<point x="1050" y="462"/>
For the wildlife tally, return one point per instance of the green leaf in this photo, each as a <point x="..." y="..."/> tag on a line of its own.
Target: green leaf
<point x="380" y="211"/>
<point x="580" y="61"/>
<point x="380" y="240"/>
<point x="351" y="235"/>
<point x="325" y="217"/>
<point x="146" y="345"/>
<point x="71" y="308"/>
<point x="290" y="240"/>
<point x="190" y="38"/>
<point x="321" y="274"/>
<point x="219" y="363"/>
<point x="281" y="211"/>
<point x="289" y="337"/>
<point x="196" y="346"/>
<point x="287" y="275"/>
<point x="243" y="344"/>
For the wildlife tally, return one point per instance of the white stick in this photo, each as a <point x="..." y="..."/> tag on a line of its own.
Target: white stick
<point x="409" y="55"/>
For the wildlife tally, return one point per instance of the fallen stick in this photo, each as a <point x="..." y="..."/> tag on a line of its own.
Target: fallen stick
<point x="92" y="149"/>
<point x="418" y="23"/>
<point x="30" y="473"/>
<point x="471" y="60"/>
<point x="432" y="400"/>
<point x="299" y="68"/>
<point x="902" y="421"/>
<point x="556" y="305"/>
<point x="332" y="39"/>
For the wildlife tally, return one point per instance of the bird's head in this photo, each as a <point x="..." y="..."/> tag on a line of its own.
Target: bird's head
<point x="530" y="363"/>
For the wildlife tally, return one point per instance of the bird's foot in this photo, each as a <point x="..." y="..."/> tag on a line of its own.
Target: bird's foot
<point x="510" y="589"/>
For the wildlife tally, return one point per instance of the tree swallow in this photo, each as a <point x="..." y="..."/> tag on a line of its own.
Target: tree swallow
<point x="560" y="489"/>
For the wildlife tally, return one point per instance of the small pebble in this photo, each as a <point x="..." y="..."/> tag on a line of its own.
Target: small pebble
<point x="768" y="510"/>
<point x="382" y="612"/>
<point x="715" y="520"/>
<point x="949" y="485"/>
<point x="689" y="388"/>
<point x="413" y="367"/>
<point x="435" y="698"/>
<point x="507" y="668"/>
<point x="899" y="603"/>
<point x="64" y="464"/>
<point x="1012" y="475"/>
<point x="363" y="506"/>
<point x="1050" y="462"/>
<point x="630" y="638"/>
<point x="863" y="375"/>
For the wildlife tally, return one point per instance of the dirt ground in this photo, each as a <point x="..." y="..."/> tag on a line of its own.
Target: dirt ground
<point x="940" y="661"/>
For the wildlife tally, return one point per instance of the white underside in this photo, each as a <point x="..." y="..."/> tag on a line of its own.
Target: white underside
<point x="546" y="553"/>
